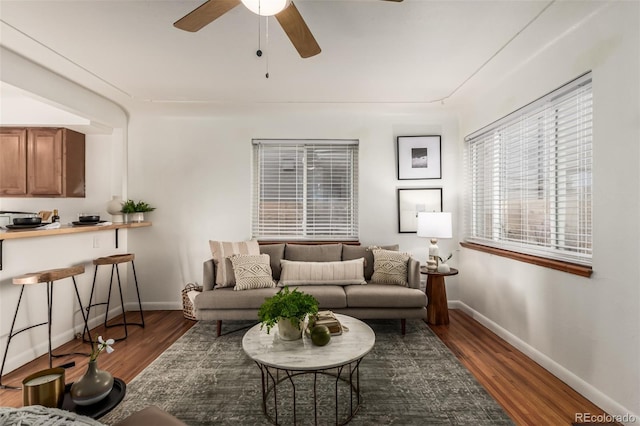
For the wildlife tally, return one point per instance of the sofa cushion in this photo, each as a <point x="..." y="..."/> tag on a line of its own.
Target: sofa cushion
<point x="252" y="271"/>
<point x="314" y="253"/>
<point x="221" y="250"/>
<point x="227" y="298"/>
<point x="390" y="267"/>
<point x="276" y="254"/>
<point x="309" y="273"/>
<point x="383" y="295"/>
<point x="328" y="296"/>
<point x="350" y="252"/>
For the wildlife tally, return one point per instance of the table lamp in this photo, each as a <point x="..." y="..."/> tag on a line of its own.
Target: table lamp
<point x="434" y="225"/>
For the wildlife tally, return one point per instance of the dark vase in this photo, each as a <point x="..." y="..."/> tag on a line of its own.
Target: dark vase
<point x="93" y="387"/>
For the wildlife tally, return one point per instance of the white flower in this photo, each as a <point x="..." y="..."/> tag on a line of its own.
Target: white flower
<point x="102" y="345"/>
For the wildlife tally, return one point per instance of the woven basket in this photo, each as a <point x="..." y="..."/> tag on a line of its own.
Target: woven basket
<point x="187" y="307"/>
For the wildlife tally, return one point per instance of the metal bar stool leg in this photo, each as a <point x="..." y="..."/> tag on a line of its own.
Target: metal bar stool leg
<point x="50" y="303"/>
<point x="106" y="315"/>
<point x="6" y="349"/>
<point x="93" y="287"/>
<point x="85" y="318"/>
<point x="135" y="279"/>
<point x="124" y="314"/>
<point x="50" y="299"/>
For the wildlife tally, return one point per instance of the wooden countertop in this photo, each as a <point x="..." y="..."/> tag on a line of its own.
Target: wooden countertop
<point x="67" y="229"/>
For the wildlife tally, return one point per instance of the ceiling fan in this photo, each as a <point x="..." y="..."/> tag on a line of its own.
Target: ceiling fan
<point x="285" y="12"/>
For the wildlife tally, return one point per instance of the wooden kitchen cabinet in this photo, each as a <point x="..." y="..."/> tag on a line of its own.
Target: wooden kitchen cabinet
<point x="54" y="164"/>
<point x="13" y="162"/>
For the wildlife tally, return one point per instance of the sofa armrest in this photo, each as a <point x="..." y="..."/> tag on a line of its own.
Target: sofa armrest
<point x="208" y="275"/>
<point x="413" y="273"/>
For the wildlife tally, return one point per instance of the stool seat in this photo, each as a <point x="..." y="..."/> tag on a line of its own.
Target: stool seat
<point x="114" y="260"/>
<point x="48" y="275"/>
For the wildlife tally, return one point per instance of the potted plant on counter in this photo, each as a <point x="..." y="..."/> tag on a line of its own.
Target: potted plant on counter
<point x="288" y="309"/>
<point x="136" y="210"/>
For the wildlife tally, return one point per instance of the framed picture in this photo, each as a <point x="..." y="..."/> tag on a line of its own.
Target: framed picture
<point x="419" y="157"/>
<point x="412" y="201"/>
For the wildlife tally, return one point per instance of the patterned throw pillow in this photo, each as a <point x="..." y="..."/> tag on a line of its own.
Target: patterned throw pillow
<point x="313" y="273"/>
<point x="252" y="271"/>
<point x="390" y="267"/>
<point x="221" y="251"/>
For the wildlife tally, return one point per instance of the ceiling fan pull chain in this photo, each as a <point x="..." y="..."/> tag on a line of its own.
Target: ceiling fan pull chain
<point x="266" y="42"/>
<point x="259" y="51"/>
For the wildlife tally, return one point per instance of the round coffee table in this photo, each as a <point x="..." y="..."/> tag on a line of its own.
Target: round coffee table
<point x="281" y="360"/>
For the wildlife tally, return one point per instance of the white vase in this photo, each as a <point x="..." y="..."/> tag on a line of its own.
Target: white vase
<point x="287" y="329"/>
<point x="93" y="387"/>
<point x="114" y="208"/>
<point x="443" y="268"/>
<point x="137" y="217"/>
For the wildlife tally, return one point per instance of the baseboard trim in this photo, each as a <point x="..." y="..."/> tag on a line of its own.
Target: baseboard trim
<point x="587" y="390"/>
<point x="154" y="306"/>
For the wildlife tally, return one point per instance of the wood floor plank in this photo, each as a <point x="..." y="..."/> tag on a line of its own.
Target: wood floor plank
<point x="128" y="359"/>
<point x="526" y="391"/>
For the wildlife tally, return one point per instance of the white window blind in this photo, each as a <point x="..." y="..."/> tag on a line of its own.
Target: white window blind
<point x="529" y="181"/>
<point x="305" y="189"/>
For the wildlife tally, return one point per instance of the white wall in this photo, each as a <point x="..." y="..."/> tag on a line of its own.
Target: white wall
<point x="585" y="330"/>
<point x="198" y="172"/>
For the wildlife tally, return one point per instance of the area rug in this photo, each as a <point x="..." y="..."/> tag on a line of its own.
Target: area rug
<point x="405" y="380"/>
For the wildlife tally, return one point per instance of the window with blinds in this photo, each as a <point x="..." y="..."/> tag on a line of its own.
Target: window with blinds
<point x="305" y="189"/>
<point x="529" y="180"/>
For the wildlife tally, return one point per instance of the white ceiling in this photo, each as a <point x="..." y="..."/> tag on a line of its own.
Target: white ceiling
<point x="373" y="51"/>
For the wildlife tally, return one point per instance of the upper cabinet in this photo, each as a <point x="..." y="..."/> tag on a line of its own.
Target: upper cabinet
<point x="42" y="162"/>
<point x="13" y="162"/>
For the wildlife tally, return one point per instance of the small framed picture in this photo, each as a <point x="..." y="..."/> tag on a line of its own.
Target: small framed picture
<point x="419" y="157"/>
<point x="412" y="201"/>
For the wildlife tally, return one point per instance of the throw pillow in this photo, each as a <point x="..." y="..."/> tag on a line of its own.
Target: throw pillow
<point x="252" y="271"/>
<point x="312" y="273"/>
<point x="390" y="267"/>
<point x="350" y="252"/>
<point x="276" y="253"/>
<point x="221" y="250"/>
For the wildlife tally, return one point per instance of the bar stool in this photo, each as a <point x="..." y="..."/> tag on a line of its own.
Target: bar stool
<point x="49" y="277"/>
<point x="114" y="261"/>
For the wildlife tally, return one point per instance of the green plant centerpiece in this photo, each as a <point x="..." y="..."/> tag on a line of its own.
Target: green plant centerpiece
<point x="135" y="210"/>
<point x="288" y="309"/>
<point x="131" y="206"/>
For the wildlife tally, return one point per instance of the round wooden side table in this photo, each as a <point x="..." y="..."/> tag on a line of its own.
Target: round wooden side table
<point x="437" y="308"/>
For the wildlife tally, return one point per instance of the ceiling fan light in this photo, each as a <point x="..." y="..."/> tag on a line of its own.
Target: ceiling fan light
<point x="266" y="7"/>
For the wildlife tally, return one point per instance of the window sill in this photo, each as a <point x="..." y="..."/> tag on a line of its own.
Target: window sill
<point x="571" y="268"/>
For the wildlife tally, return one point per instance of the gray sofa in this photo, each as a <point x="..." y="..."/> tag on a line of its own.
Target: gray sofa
<point x="364" y="301"/>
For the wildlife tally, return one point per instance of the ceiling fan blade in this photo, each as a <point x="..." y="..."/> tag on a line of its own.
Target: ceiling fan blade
<point x="298" y="32"/>
<point x="205" y="14"/>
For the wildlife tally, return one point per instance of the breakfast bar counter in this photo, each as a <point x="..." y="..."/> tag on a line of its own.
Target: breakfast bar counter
<point x="65" y="229"/>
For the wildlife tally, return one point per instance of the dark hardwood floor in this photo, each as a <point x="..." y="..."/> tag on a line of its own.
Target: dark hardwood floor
<point x="527" y="392"/>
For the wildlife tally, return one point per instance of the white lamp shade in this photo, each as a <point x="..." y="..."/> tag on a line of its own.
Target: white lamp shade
<point x="266" y="7"/>
<point x="434" y="225"/>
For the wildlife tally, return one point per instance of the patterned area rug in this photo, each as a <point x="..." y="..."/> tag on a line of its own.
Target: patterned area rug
<point x="405" y="380"/>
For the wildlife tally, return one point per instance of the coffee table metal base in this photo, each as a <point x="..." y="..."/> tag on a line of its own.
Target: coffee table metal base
<point x="347" y="374"/>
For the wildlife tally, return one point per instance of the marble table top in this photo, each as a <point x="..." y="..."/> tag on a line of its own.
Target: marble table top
<point x="270" y="350"/>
